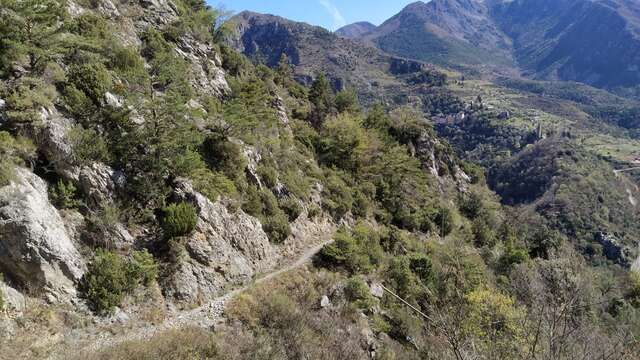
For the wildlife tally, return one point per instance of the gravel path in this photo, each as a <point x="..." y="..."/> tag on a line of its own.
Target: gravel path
<point x="205" y="316"/>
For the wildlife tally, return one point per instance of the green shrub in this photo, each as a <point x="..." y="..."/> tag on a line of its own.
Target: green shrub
<point x="444" y="220"/>
<point x="1" y="298"/>
<point x="13" y="151"/>
<point x="361" y="205"/>
<point x="64" y="195"/>
<point x="337" y="199"/>
<point x="224" y="156"/>
<point x="512" y="256"/>
<point x="143" y="267"/>
<point x="277" y="228"/>
<point x="347" y="101"/>
<point x="179" y="220"/>
<point x="77" y="103"/>
<point x="404" y="281"/>
<point x="314" y="211"/>
<point x="213" y="184"/>
<point x="380" y="325"/>
<point x="291" y="206"/>
<point x="358" y="251"/>
<point x="7" y="173"/>
<point x="270" y="205"/>
<point x="26" y="98"/>
<point x="483" y="234"/>
<point x="125" y="59"/>
<point x="252" y="203"/>
<point x="268" y="175"/>
<point x="110" y="277"/>
<point x="421" y="265"/>
<point x="92" y="79"/>
<point x="107" y="281"/>
<point x="343" y="142"/>
<point x="88" y="145"/>
<point x="90" y="25"/>
<point x="471" y="205"/>
<point x="357" y="292"/>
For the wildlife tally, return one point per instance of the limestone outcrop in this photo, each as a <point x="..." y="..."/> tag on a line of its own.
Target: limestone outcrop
<point x="35" y="248"/>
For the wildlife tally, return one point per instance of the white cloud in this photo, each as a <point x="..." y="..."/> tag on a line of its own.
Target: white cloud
<point x="338" y="19"/>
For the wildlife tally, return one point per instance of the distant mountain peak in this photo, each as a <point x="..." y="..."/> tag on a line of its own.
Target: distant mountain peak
<point x="356" y="30"/>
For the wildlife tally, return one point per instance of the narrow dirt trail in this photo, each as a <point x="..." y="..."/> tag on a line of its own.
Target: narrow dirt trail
<point x="205" y="316"/>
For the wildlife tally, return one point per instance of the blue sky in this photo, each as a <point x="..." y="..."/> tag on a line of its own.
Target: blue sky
<point x="330" y="14"/>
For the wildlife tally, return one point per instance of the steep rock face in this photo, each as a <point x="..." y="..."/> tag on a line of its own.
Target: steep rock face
<point x="98" y="181"/>
<point x="35" y="249"/>
<point x="225" y="248"/>
<point x="206" y="66"/>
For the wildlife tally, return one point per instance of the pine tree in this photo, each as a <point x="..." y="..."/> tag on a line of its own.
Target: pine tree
<point x="322" y="99"/>
<point x="30" y="32"/>
<point x="284" y="73"/>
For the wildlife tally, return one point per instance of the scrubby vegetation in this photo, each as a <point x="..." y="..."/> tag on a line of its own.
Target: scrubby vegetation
<point x="110" y="277"/>
<point x="483" y="279"/>
<point x="179" y="220"/>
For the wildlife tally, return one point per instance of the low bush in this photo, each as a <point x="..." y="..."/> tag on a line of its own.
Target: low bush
<point x="277" y="228"/>
<point x="13" y="151"/>
<point x="25" y="99"/>
<point x="93" y="79"/>
<point x="358" y="251"/>
<point x="107" y="281"/>
<point x="179" y="220"/>
<point x="337" y="200"/>
<point x="314" y="211"/>
<point x="1" y="298"/>
<point x="7" y="173"/>
<point x="143" y="267"/>
<point x="64" y="195"/>
<point x="268" y="175"/>
<point x="471" y="205"/>
<point x="88" y="145"/>
<point x="110" y="277"/>
<point x="444" y="221"/>
<point x="291" y="206"/>
<point x="184" y="343"/>
<point x="224" y="156"/>
<point x="403" y="280"/>
<point x="357" y="292"/>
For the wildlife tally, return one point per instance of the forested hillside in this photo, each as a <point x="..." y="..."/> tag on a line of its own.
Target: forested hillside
<point x="167" y="172"/>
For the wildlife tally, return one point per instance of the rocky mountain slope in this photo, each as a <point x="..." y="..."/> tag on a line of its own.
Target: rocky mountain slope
<point x="570" y="40"/>
<point x="355" y="30"/>
<point x="161" y="194"/>
<point x="447" y="32"/>
<point x="375" y="75"/>
<point x="593" y="42"/>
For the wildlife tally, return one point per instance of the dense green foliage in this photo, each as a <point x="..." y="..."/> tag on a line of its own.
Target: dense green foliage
<point x="110" y="277"/>
<point x="179" y="220"/>
<point x="64" y="195"/>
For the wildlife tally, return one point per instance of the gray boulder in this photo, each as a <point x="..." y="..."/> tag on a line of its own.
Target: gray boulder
<point x="35" y="249"/>
<point x="377" y="290"/>
<point x="100" y="182"/>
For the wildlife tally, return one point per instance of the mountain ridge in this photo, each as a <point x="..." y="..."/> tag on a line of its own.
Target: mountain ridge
<point x="356" y="30"/>
<point x="570" y="40"/>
